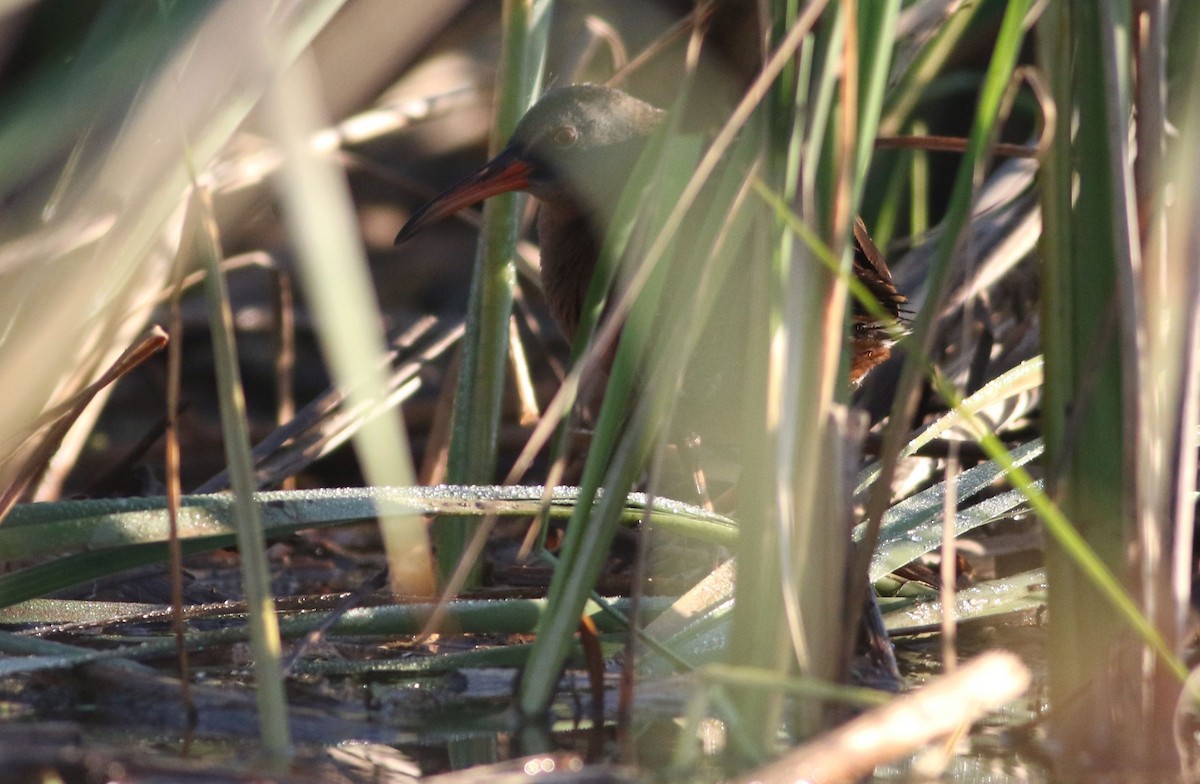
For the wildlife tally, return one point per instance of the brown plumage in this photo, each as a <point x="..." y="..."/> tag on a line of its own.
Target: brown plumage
<point x="870" y="339"/>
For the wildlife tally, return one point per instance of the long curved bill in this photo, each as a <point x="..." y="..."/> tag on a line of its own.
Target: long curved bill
<point x="502" y="174"/>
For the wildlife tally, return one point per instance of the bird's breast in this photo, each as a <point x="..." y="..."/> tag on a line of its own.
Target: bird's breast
<point x="569" y="252"/>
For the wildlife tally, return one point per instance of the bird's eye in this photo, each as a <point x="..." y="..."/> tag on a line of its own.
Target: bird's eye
<point x="564" y="137"/>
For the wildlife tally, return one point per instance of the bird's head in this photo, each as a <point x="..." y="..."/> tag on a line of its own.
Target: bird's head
<point x="577" y="143"/>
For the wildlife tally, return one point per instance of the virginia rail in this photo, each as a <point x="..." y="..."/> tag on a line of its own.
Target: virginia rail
<point x="574" y="151"/>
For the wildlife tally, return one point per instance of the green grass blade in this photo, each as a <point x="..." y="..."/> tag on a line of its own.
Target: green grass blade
<point x="274" y="732"/>
<point x="477" y="402"/>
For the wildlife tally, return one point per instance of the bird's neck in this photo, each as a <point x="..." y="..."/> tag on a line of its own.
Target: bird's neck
<point x="567" y="272"/>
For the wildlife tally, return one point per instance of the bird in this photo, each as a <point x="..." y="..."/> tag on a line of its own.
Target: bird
<point x="574" y="151"/>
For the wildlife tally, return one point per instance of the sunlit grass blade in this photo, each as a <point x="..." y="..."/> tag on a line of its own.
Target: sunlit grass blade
<point x="115" y="535"/>
<point x="911" y="527"/>
<point x="335" y="275"/>
<point x="1021" y="380"/>
<point x="1020" y="593"/>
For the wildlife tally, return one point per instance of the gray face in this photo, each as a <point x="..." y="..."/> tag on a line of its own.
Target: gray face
<point x="583" y="141"/>
<point x="574" y="151"/>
